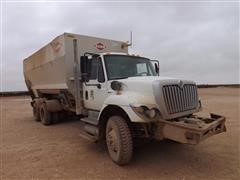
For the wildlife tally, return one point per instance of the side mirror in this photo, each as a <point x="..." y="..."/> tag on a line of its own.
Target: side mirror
<point x="85" y="64"/>
<point x="116" y="85"/>
<point x="156" y="66"/>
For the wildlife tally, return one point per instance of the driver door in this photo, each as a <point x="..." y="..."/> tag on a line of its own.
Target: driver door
<point x="95" y="90"/>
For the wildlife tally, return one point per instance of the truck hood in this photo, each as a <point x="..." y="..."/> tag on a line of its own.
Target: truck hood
<point x="142" y="83"/>
<point x="140" y="89"/>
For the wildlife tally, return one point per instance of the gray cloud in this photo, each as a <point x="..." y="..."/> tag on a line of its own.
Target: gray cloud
<point x="197" y="41"/>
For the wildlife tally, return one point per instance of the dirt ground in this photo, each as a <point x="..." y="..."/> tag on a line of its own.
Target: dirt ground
<point x="30" y="150"/>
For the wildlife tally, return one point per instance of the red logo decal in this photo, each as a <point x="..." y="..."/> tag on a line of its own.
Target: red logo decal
<point x="100" y="46"/>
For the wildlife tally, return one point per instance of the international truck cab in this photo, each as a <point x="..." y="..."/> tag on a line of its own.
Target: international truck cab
<point x="119" y="97"/>
<point x="100" y="70"/>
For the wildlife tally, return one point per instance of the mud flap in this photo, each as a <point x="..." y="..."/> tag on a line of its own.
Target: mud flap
<point x="193" y="129"/>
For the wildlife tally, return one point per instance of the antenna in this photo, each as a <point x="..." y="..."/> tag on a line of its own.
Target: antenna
<point x="130" y="38"/>
<point x="126" y="44"/>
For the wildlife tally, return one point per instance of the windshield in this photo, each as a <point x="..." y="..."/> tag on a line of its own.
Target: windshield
<point x="122" y="66"/>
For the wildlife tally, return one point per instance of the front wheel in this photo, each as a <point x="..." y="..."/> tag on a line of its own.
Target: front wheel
<point x="119" y="140"/>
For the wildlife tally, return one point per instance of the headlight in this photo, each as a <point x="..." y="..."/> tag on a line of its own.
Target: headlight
<point x="143" y="110"/>
<point x="151" y="113"/>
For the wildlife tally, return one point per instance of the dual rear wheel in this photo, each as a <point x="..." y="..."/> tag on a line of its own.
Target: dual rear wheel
<point x="36" y="113"/>
<point x="42" y="114"/>
<point x="45" y="115"/>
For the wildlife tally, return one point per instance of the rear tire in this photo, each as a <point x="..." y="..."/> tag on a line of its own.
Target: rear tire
<point x="119" y="140"/>
<point x="36" y="114"/>
<point x="45" y="115"/>
<point x="55" y="117"/>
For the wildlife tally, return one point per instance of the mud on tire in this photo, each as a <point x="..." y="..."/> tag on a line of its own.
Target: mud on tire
<point x="119" y="140"/>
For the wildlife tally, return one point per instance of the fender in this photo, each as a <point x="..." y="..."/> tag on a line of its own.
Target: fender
<point x="123" y="102"/>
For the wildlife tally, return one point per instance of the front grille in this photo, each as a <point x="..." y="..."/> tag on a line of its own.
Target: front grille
<point x="179" y="99"/>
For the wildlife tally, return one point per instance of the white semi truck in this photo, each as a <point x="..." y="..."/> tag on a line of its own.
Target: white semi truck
<point x="119" y="97"/>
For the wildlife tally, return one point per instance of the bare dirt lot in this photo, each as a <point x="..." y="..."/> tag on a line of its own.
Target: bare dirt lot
<point x="30" y="150"/>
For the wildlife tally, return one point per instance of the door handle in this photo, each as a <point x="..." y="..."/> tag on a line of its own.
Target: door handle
<point x="98" y="85"/>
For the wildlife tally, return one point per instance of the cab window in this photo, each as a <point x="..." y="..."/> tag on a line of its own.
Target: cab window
<point x="97" y="72"/>
<point x="101" y="77"/>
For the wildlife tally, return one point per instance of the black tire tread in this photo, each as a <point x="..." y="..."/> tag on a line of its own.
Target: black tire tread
<point x="126" y="140"/>
<point x="36" y="114"/>
<point x="47" y="121"/>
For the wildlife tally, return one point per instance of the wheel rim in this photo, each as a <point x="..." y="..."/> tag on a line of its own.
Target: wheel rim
<point x="112" y="140"/>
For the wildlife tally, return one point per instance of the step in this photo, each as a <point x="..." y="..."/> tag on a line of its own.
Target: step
<point x="88" y="137"/>
<point x="89" y="120"/>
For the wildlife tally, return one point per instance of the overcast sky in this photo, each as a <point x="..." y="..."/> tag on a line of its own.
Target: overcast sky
<point x="192" y="40"/>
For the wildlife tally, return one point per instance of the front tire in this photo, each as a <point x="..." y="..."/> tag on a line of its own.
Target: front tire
<point x="119" y="140"/>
